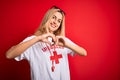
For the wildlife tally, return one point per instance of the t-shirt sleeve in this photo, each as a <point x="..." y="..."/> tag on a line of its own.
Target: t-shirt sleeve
<point x="25" y="54"/>
<point x="69" y="51"/>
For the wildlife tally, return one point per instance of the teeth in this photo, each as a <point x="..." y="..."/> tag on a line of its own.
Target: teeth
<point x="53" y="26"/>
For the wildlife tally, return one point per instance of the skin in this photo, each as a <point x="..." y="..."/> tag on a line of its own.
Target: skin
<point x="54" y="22"/>
<point x="52" y="25"/>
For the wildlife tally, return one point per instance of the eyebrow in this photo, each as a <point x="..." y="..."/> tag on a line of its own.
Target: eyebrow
<point x="56" y="17"/>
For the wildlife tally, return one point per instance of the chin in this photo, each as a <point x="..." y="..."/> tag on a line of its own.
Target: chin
<point x="52" y="30"/>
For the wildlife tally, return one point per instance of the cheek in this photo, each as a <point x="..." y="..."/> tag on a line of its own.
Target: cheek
<point x="58" y="24"/>
<point x="50" y="20"/>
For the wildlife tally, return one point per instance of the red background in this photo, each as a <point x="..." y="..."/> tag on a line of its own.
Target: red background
<point x="92" y="24"/>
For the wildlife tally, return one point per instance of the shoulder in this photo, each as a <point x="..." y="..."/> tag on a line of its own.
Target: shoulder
<point x="29" y="38"/>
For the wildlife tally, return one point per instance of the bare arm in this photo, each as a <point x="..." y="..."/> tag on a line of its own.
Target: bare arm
<point x="81" y="51"/>
<point x="20" y="48"/>
<point x="77" y="49"/>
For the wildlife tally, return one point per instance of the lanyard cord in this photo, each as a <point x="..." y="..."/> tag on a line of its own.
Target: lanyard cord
<point x="53" y="66"/>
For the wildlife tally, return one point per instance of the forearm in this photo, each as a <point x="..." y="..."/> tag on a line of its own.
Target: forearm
<point x="77" y="49"/>
<point x="20" y="48"/>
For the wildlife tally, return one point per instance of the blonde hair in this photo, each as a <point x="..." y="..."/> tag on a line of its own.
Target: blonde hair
<point x="42" y="28"/>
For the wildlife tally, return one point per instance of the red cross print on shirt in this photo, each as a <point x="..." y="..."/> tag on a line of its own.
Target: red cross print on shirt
<point x="55" y="57"/>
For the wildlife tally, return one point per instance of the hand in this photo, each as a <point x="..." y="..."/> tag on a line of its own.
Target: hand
<point x="44" y="38"/>
<point x="60" y="41"/>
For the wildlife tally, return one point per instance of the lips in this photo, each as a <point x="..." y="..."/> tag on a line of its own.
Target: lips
<point x="53" y="26"/>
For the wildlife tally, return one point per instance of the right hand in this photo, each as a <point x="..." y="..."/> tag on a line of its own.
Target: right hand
<point x="44" y="38"/>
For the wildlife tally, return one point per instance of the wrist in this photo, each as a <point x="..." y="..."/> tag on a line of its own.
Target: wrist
<point x="66" y="45"/>
<point x="38" y="38"/>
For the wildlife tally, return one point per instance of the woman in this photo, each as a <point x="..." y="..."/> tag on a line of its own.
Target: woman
<point x="47" y="49"/>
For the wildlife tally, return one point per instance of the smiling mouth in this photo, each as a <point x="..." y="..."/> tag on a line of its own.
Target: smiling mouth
<point x="53" y="26"/>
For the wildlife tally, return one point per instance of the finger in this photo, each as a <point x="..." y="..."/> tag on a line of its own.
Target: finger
<point x="61" y="41"/>
<point x="56" y="42"/>
<point x="46" y="41"/>
<point x="53" y="37"/>
<point x="51" y="40"/>
<point x="59" y="37"/>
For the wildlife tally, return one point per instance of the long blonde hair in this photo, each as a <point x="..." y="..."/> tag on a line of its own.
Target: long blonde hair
<point x="42" y="28"/>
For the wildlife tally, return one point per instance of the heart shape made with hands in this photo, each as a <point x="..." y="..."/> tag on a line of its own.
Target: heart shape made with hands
<point x="60" y="41"/>
<point x="51" y="41"/>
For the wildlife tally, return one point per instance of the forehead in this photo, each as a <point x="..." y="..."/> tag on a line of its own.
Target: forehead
<point x="58" y="15"/>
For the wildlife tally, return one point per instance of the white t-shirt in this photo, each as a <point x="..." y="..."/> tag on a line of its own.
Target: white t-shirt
<point x="39" y="57"/>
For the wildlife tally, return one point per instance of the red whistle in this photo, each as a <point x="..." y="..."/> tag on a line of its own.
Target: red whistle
<point x="53" y="68"/>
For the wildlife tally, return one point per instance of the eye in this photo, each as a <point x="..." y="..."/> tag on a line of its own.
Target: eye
<point x="53" y="17"/>
<point x="59" y="21"/>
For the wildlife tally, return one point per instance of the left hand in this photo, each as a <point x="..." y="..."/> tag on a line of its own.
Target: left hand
<point x="60" y="41"/>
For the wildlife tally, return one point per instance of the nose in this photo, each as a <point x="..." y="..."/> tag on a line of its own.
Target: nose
<point x="54" y="22"/>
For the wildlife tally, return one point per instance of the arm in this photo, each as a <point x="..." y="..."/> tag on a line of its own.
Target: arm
<point x="81" y="51"/>
<point x="20" y="48"/>
<point x="77" y="49"/>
